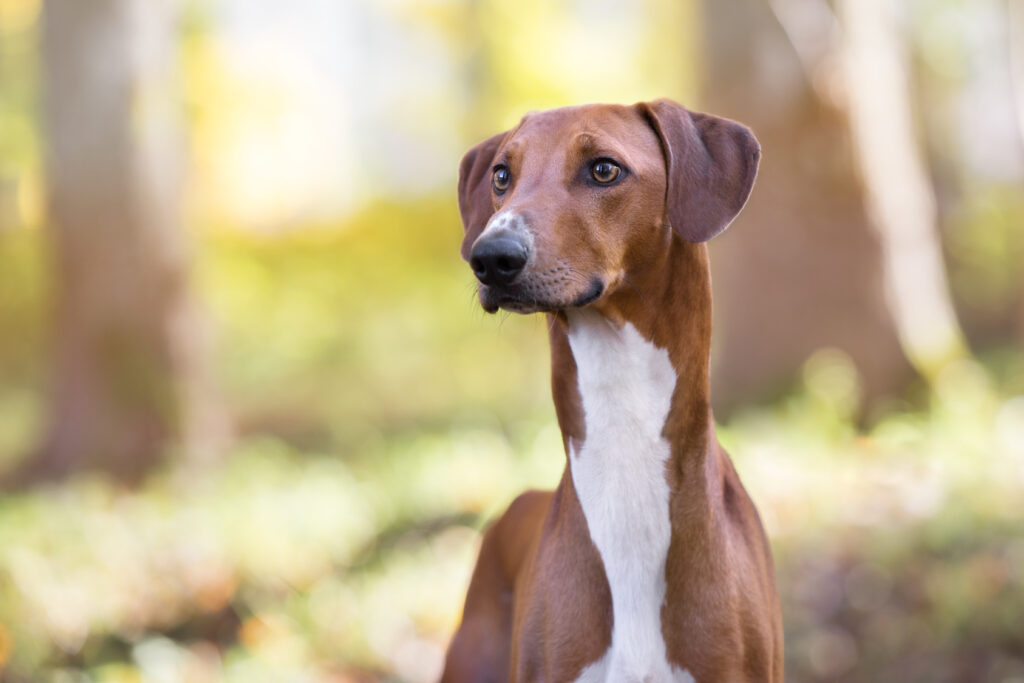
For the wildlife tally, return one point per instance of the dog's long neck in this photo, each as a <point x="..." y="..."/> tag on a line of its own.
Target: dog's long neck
<point x="667" y="304"/>
<point x="630" y="380"/>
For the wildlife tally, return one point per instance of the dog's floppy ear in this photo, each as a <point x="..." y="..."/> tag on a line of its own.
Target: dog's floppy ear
<point x="710" y="165"/>
<point x="475" y="203"/>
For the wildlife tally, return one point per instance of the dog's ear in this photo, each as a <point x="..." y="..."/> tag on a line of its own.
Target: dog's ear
<point x="475" y="202"/>
<point x="710" y="165"/>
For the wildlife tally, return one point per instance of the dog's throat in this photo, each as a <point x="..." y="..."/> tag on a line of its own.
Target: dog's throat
<point x="619" y="473"/>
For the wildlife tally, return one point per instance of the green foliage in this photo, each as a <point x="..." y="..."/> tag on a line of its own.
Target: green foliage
<point x="23" y="298"/>
<point x="343" y="330"/>
<point x="987" y="240"/>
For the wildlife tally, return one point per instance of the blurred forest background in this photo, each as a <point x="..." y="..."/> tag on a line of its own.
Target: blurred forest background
<point x="252" y="418"/>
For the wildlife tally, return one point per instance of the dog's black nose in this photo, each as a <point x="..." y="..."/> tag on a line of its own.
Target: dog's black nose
<point x="498" y="260"/>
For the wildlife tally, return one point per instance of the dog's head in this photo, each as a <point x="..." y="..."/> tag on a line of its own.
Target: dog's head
<point x="559" y="210"/>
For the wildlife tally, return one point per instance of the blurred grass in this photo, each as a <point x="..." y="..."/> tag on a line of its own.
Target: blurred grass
<point x="348" y="325"/>
<point x="383" y="419"/>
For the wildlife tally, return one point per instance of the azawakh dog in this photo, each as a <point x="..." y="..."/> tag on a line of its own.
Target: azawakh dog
<point x="648" y="562"/>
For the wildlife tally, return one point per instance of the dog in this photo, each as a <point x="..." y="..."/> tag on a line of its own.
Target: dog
<point x="648" y="562"/>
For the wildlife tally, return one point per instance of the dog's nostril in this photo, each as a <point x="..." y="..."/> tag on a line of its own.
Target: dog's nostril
<point x="479" y="269"/>
<point x="503" y="264"/>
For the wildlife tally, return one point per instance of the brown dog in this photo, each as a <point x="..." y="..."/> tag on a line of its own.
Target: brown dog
<point x="648" y="562"/>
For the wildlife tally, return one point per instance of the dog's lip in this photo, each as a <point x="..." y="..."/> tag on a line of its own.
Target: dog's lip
<point x="512" y="303"/>
<point x="491" y="300"/>
<point x="592" y="294"/>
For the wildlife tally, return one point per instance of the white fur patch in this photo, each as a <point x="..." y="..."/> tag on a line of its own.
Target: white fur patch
<point x="507" y="221"/>
<point x="626" y="384"/>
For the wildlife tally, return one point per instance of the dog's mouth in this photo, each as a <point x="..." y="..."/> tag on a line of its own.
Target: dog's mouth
<point x="524" y="299"/>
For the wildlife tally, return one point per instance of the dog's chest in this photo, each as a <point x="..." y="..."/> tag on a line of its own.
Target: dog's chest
<point x="626" y="385"/>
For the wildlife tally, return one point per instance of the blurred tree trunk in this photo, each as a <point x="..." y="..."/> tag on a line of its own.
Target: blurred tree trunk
<point x="802" y="268"/>
<point x="900" y="198"/>
<point x="1015" y="17"/>
<point x="125" y="363"/>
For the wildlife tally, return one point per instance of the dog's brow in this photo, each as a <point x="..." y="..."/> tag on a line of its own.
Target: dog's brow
<point x="508" y="153"/>
<point x="590" y="143"/>
<point x="585" y="141"/>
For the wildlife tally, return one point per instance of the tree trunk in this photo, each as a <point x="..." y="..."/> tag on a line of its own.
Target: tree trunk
<point x="802" y="268"/>
<point x="125" y="356"/>
<point x="899" y="194"/>
<point x="1015" y="17"/>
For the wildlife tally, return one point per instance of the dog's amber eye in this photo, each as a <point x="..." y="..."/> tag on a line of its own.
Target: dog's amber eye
<point x="605" y="171"/>
<point x="501" y="179"/>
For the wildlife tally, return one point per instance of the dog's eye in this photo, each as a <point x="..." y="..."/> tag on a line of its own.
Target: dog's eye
<point x="605" y="171"/>
<point x="501" y="179"/>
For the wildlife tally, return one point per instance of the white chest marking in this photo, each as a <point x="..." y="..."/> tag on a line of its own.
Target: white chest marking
<point x="626" y="384"/>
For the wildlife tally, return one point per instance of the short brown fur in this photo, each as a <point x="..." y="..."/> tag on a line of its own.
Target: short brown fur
<point x="539" y="605"/>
